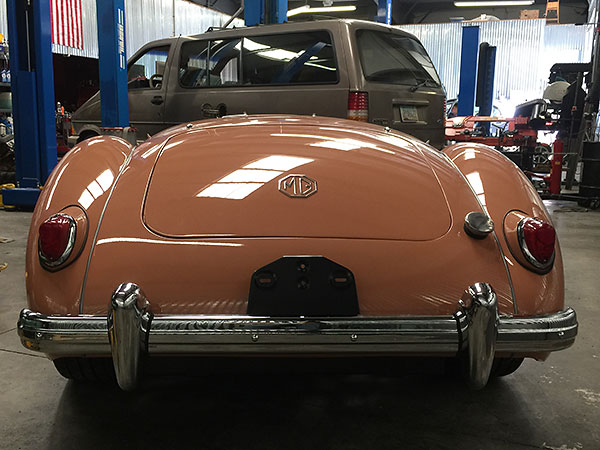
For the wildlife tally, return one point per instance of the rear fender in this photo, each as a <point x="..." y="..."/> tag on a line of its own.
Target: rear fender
<point x="83" y="178"/>
<point x="502" y="187"/>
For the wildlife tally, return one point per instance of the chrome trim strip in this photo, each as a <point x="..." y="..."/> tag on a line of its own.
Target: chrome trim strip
<point x="494" y="233"/>
<point x="507" y="269"/>
<point x="89" y="261"/>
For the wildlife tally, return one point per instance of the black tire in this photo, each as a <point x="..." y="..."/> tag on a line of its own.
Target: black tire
<point x="86" y="369"/>
<point x="86" y="135"/>
<point x="585" y="202"/>
<point x="505" y="366"/>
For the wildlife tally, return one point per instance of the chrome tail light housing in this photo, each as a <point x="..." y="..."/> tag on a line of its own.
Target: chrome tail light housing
<point x="61" y="238"/>
<point x="537" y="240"/>
<point x="531" y="240"/>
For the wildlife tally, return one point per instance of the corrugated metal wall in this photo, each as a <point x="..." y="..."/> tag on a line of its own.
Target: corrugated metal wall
<point x="154" y="20"/>
<point x="526" y="51"/>
<point x="146" y="20"/>
<point x="3" y="25"/>
<point x="526" y="48"/>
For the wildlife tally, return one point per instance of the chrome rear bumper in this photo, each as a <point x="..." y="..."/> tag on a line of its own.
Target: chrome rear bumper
<point x="130" y="331"/>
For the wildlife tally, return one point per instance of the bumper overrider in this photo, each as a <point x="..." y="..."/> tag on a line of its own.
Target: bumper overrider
<point x="130" y="331"/>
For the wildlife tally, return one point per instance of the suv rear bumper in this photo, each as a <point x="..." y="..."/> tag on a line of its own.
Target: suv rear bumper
<point x="130" y="331"/>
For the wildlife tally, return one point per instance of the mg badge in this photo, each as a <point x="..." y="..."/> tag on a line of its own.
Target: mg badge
<point x="297" y="186"/>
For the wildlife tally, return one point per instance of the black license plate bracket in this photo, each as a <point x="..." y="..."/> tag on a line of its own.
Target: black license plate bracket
<point x="309" y="286"/>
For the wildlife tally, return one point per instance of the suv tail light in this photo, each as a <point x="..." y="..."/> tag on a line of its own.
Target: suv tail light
<point x="56" y="240"/>
<point x="445" y="111"/>
<point x="537" y="240"/>
<point x="358" y="106"/>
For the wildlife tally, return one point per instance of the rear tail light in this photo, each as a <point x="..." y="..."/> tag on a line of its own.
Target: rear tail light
<point x="56" y="240"/>
<point x="537" y="240"/>
<point x="358" y="106"/>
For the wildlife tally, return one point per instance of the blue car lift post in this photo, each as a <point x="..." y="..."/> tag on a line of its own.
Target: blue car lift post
<point x="264" y="12"/>
<point x="468" y="71"/>
<point x="32" y="87"/>
<point x="384" y="12"/>
<point x="114" y="101"/>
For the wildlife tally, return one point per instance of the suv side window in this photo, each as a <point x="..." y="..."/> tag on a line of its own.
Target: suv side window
<point x="147" y="71"/>
<point x="296" y="58"/>
<point x="396" y="59"/>
<point x="289" y="59"/>
<point x="224" y="63"/>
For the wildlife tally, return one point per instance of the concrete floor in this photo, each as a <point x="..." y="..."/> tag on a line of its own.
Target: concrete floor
<point x="552" y="405"/>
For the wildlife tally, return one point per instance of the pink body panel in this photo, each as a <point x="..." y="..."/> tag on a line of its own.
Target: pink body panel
<point x="420" y="267"/>
<point x="83" y="177"/>
<point x="502" y="187"/>
<point x="211" y="275"/>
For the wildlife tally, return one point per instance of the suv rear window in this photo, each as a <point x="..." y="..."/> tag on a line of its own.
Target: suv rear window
<point x="279" y="59"/>
<point x="396" y="59"/>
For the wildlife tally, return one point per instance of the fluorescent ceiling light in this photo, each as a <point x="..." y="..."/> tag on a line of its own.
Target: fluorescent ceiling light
<point x="306" y="9"/>
<point x="496" y="3"/>
<point x="300" y="10"/>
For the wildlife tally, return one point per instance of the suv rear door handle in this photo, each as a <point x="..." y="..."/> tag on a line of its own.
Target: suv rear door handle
<point x="157" y="99"/>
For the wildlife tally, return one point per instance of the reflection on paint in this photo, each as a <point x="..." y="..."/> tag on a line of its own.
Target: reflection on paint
<point x="477" y="185"/>
<point x="348" y="144"/>
<point x="391" y="139"/>
<point x="240" y="183"/>
<point x="153" y="149"/>
<point x="300" y="135"/>
<point x="278" y="162"/>
<point x="470" y="154"/>
<point x="58" y="177"/>
<point x="344" y="144"/>
<point x="232" y="191"/>
<point x="156" y="241"/>
<point x="250" y="176"/>
<point x="96" y="188"/>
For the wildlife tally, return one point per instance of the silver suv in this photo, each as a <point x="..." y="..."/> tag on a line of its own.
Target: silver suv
<point x="339" y="68"/>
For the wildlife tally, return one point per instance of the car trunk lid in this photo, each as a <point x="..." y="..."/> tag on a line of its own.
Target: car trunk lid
<point x="294" y="181"/>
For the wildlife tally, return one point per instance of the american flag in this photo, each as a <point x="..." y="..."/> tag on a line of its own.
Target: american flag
<point x="66" y="23"/>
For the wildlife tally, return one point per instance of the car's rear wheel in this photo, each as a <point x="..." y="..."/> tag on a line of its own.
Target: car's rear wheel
<point x="86" y="369"/>
<point x="505" y="366"/>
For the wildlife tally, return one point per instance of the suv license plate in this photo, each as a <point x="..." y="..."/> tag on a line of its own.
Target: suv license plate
<point x="408" y="113"/>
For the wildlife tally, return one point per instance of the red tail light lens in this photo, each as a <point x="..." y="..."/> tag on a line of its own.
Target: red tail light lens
<point x="358" y="106"/>
<point x="56" y="240"/>
<point x="537" y="239"/>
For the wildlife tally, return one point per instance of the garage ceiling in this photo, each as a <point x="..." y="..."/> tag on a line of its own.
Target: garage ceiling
<point x="420" y="11"/>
